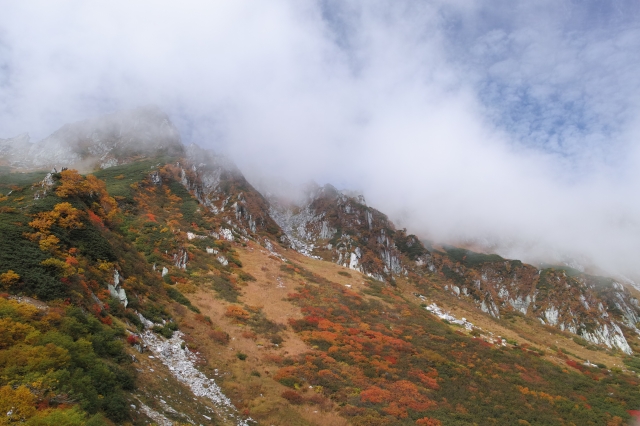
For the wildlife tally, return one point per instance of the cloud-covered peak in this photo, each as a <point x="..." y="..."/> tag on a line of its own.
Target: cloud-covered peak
<point x="514" y="123"/>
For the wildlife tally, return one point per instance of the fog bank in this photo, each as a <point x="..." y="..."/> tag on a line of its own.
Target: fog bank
<point x="506" y="124"/>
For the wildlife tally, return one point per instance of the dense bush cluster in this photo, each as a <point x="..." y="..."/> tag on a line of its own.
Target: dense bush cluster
<point x="63" y="355"/>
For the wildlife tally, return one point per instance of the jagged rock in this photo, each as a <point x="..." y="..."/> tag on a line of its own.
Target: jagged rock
<point x="180" y="259"/>
<point x="155" y="178"/>
<point x="311" y="228"/>
<point x="577" y="304"/>
<point x="226" y="234"/>
<point x="218" y="184"/>
<point x="117" y="292"/>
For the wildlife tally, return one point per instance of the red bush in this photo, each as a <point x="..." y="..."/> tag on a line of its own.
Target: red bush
<point x="219" y="337"/>
<point x="293" y="397"/>
<point x="573" y="364"/>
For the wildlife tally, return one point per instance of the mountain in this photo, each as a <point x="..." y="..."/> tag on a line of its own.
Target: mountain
<point x="103" y="142"/>
<point x="335" y="227"/>
<point x="163" y="288"/>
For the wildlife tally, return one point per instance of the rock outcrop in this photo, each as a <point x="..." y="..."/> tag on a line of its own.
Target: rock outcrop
<point x="334" y="226"/>
<point x="595" y="308"/>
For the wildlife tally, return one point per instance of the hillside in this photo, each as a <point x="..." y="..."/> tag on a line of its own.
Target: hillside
<point x="341" y="229"/>
<point x="162" y="287"/>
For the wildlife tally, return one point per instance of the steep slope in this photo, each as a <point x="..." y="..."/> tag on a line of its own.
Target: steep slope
<point x="220" y="186"/>
<point x="335" y="227"/>
<point x="595" y="308"/>
<point x="102" y="266"/>
<point x="161" y="290"/>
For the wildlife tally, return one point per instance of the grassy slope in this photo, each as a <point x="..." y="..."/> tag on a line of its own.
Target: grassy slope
<point x="290" y="342"/>
<point x="481" y="383"/>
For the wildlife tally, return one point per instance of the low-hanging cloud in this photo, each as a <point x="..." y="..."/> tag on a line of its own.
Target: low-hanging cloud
<point x="505" y="124"/>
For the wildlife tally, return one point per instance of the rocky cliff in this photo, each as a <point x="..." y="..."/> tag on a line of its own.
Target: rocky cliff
<point x="336" y="227"/>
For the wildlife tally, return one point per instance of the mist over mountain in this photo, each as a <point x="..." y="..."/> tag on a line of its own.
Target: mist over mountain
<point x="161" y="286"/>
<point x="513" y="132"/>
<point x="331" y="212"/>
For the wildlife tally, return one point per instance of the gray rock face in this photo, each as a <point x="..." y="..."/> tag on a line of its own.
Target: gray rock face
<point x="337" y="226"/>
<point x="15" y="150"/>
<point x="594" y="308"/>
<point x="117" y="292"/>
<point x="221" y="188"/>
<point x="103" y="141"/>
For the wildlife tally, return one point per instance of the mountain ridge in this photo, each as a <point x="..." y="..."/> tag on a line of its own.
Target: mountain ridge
<point x="336" y="226"/>
<point x="191" y="271"/>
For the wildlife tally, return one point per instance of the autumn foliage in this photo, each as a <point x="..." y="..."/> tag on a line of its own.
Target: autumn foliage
<point x="381" y="358"/>
<point x="237" y="313"/>
<point x="9" y="278"/>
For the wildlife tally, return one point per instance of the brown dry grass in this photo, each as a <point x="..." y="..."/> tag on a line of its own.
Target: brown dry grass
<point x="259" y="396"/>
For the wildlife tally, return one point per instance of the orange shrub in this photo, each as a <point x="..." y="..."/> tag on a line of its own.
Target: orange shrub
<point x="427" y="421"/>
<point x="375" y="395"/>
<point x="248" y="334"/>
<point x="394" y="410"/>
<point x="237" y="313"/>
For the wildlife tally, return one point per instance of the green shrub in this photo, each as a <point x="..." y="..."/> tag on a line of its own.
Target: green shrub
<point x="225" y="289"/>
<point x="174" y="294"/>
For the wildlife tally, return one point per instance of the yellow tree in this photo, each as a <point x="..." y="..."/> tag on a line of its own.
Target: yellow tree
<point x="9" y="278"/>
<point x="68" y="216"/>
<point x="71" y="183"/>
<point x="16" y="405"/>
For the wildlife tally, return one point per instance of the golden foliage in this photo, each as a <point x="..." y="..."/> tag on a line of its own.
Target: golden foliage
<point x="16" y="405"/>
<point x="70" y="184"/>
<point x="67" y="216"/>
<point x="73" y="184"/>
<point x="9" y="278"/>
<point x="63" y="267"/>
<point x="12" y="332"/>
<point x="48" y="243"/>
<point x="64" y="215"/>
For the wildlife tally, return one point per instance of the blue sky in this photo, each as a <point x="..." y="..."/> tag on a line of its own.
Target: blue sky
<point x="510" y="124"/>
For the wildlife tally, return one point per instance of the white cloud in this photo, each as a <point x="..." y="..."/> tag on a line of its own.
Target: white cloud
<point x="511" y="123"/>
